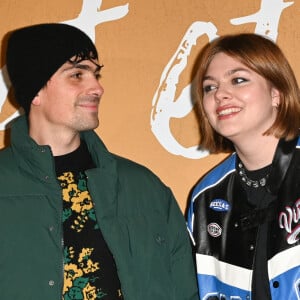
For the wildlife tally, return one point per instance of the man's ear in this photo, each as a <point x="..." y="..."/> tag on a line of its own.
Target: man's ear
<point x="36" y="100"/>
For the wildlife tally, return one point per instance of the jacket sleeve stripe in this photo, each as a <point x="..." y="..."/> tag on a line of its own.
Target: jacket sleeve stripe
<point x="227" y="273"/>
<point x="284" y="261"/>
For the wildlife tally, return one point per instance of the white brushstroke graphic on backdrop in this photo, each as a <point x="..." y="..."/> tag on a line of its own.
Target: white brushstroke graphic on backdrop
<point x="164" y="104"/>
<point x="266" y="19"/>
<point x="89" y="17"/>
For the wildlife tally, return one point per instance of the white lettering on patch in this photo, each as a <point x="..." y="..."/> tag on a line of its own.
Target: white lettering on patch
<point x="289" y="218"/>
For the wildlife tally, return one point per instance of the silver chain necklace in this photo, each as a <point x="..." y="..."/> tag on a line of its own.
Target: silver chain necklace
<point x="250" y="182"/>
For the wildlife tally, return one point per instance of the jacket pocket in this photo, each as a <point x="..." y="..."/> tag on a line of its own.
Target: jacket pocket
<point x="30" y="251"/>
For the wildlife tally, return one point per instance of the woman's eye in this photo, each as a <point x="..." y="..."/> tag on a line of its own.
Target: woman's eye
<point x="207" y="88"/>
<point x="238" y="80"/>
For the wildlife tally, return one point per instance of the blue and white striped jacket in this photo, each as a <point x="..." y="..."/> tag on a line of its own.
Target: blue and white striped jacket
<point x="218" y="220"/>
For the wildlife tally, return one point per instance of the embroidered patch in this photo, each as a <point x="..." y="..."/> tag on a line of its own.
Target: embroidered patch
<point x="289" y="221"/>
<point x="214" y="229"/>
<point x="219" y="205"/>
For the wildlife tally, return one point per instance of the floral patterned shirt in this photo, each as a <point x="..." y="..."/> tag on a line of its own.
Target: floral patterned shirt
<point x="89" y="268"/>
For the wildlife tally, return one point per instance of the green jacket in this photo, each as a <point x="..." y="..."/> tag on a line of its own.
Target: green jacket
<point x="140" y="220"/>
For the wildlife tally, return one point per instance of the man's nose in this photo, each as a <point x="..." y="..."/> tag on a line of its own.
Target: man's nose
<point x="96" y="88"/>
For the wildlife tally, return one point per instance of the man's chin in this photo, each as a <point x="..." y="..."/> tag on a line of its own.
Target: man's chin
<point x="88" y="125"/>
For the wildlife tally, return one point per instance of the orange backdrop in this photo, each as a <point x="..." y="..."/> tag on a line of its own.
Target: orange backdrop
<point x="148" y="49"/>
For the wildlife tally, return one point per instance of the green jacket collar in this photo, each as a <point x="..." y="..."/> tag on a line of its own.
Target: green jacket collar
<point x="37" y="160"/>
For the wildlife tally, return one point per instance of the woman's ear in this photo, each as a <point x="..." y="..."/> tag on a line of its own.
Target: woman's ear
<point x="275" y="97"/>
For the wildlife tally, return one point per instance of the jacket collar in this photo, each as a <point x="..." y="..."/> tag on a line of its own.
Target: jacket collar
<point x="281" y="162"/>
<point x="32" y="159"/>
<point x="38" y="160"/>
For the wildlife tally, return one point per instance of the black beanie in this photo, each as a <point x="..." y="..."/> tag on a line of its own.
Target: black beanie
<point x="35" y="53"/>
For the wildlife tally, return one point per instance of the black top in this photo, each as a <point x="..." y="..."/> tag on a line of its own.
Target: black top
<point x="258" y="198"/>
<point x="89" y="267"/>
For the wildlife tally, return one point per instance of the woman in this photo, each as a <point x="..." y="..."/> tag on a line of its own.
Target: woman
<point x="244" y="216"/>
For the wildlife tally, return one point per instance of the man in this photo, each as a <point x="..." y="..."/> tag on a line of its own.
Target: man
<point x="78" y="222"/>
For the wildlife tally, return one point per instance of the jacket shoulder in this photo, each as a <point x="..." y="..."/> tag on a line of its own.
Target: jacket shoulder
<point x="216" y="175"/>
<point x="132" y="171"/>
<point x="6" y="157"/>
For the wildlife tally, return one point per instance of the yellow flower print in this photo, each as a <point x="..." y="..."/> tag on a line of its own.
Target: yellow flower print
<point x="71" y="272"/>
<point x="67" y="177"/>
<point x="89" y="292"/>
<point x="82" y="202"/>
<point x="85" y="253"/>
<point x="90" y="267"/>
<point x="70" y="191"/>
<point x="86" y="264"/>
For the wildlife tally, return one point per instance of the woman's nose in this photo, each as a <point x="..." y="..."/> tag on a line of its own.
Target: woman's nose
<point x="222" y="93"/>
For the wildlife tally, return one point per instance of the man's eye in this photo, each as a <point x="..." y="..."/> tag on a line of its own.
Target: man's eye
<point x="77" y="75"/>
<point x="98" y="76"/>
